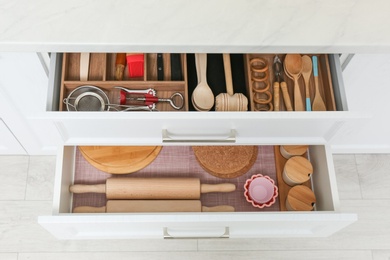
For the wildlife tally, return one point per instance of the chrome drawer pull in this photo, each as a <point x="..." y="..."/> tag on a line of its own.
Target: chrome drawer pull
<point x="226" y="234"/>
<point x="167" y="138"/>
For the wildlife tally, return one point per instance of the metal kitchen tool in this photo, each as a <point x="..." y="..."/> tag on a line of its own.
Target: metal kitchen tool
<point x="147" y="97"/>
<point x="92" y="98"/>
<point x="280" y="83"/>
<point x="87" y="98"/>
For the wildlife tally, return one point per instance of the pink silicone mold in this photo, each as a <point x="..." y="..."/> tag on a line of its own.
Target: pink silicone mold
<point x="260" y="191"/>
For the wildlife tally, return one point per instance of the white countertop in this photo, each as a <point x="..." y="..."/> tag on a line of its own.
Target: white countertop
<point x="328" y="26"/>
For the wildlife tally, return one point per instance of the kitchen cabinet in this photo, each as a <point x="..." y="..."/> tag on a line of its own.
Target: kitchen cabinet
<point x="23" y="88"/>
<point x="324" y="221"/>
<point x="189" y="128"/>
<point x="369" y="135"/>
<point x="148" y="128"/>
<point x="229" y="27"/>
<point x="8" y="143"/>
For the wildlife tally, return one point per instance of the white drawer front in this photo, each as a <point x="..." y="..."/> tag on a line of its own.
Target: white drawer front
<point x="146" y="128"/>
<point x="323" y="222"/>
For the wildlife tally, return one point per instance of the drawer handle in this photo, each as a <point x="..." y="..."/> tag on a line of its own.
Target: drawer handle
<point x="167" y="138"/>
<point x="226" y="234"/>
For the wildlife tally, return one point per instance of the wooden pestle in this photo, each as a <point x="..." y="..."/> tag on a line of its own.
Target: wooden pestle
<point x="230" y="101"/>
<point x="122" y="206"/>
<point x="152" y="188"/>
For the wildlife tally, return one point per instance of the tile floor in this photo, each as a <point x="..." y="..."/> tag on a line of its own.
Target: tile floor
<point x="26" y="192"/>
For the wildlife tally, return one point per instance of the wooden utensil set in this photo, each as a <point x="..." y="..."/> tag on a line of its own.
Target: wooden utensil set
<point x="264" y="97"/>
<point x="294" y="67"/>
<point x="152" y="195"/>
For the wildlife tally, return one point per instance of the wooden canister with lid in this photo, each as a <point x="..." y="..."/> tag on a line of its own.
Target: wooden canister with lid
<point x="300" y="198"/>
<point x="288" y="151"/>
<point x="297" y="170"/>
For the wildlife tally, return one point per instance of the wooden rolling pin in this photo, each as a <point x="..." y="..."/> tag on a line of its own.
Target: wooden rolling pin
<point x="152" y="188"/>
<point x="121" y="206"/>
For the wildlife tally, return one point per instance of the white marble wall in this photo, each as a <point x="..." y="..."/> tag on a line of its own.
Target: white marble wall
<point x="334" y="26"/>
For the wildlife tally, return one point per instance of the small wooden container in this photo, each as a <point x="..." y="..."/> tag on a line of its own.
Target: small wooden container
<point x="288" y="151"/>
<point x="297" y="170"/>
<point x="300" y="198"/>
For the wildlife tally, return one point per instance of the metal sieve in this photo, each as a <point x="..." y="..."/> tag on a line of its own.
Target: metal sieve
<point x="87" y="98"/>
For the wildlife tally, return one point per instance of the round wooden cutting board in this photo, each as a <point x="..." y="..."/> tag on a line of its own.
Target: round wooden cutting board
<point x="120" y="159"/>
<point x="226" y="161"/>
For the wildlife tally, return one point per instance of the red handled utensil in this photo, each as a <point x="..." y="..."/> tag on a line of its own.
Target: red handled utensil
<point x="147" y="97"/>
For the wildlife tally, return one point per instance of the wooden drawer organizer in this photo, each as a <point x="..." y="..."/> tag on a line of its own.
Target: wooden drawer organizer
<point x="102" y="74"/>
<point x="324" y="80"/>
<point x="269" y="162"/>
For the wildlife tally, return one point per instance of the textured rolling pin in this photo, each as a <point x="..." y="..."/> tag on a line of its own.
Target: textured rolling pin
<point x="122" y="206"/>
<point x="153" y="188"/>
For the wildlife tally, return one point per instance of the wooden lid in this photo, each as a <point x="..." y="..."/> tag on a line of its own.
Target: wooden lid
<point x="295" y="149"/>
<point x="226" y="161"/>
<point x="301" y="198"/>
<point x="120" y="159"/>
<point x="298" y="169"/>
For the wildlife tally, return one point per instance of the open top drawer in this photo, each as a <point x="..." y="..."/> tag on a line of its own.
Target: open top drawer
<point x="140" y="127"/>
<point x="175" y="161"/>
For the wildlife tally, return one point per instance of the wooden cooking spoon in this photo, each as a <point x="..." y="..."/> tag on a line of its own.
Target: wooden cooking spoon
<point x="202" y="97"/>
<point x="318" y="102"/>
<point x="293" y="65"/>
<point x="306" y="73"/>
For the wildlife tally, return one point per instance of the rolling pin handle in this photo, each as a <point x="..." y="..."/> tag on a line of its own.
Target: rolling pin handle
<point x="222" y="187"/>
<point x="81" y="188"/>
<point x="88" y="209"/>
<point x="221" y="208"/>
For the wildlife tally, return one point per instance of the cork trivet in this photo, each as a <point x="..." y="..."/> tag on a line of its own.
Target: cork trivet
<point x="226" y="161"/>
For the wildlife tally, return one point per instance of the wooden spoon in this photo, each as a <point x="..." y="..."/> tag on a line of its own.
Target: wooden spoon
<point x="293" y="65"/>
<point x="202" y="97"/>
<point x="318" y="102"/>
<point x="306" y="73"/>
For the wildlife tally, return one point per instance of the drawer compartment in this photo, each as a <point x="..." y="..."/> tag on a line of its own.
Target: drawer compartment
<point x="247" y="221"/>
<point x="101" y="73"/>
<point x="137" y="127"/>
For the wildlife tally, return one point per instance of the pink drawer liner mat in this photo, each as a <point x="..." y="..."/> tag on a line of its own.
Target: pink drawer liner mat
<point x="180" y="161"/>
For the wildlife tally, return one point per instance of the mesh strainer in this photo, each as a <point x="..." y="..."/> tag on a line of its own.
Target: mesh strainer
<point x="87" y="98"/>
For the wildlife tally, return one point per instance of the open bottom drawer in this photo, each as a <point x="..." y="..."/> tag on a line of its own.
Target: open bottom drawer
<point x="245" y="222"/>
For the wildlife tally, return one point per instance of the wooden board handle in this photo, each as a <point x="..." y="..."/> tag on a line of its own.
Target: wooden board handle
<point x="84" y="188"/>
<point x="222" y="187"/>
<point x="286" y="96"/>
